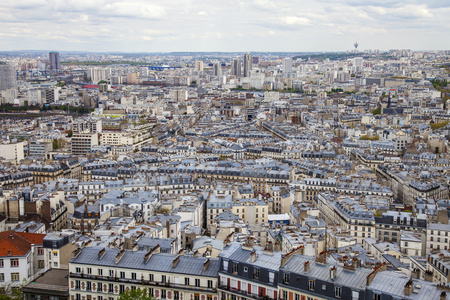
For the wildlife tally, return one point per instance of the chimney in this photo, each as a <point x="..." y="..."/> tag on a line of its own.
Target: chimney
<point x="253" y="256"/>
<point x="101" y="253"/>
<point x="206" y="264"/>
<point x="196" y="253"/>
<point x="306" y="264"/>
<point x="176" y="261"/>
<point x="428" y="275"/>
<point x="332" y="273"/>
<point x="443" y="296"/>
<point x="408" y="287"/>
<point x="119" y="256"/>
<point x="415" y="273"/>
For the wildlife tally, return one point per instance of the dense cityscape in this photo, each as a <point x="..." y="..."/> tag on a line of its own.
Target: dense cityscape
<point x="219" y="175"/>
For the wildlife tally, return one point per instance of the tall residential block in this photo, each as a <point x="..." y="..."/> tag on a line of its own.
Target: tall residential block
<point x="54" y="60"/>
<point x="248" y="63"/>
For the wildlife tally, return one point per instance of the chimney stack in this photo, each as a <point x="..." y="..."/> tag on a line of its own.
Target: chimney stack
<point x="253" y="256"/>
<point x="408" y="287"/>
<point x="306" y="265"/>
<point x="332" y="273"/>
<point x="443" y="296"/>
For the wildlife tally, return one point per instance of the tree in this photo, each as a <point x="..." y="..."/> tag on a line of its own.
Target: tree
<point x="376" y="112"/>
<point x="138" y="294"/>
<point x="70" y="134"/>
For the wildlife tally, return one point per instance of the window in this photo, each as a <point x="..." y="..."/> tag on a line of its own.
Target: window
<point x="376" y="297"/>
<point x="78" y="270"/>
<point x="163" y="294"/>
<point x="1" y="263"/>
<point x="14" y="262"/>
<point x="285" y="295"/>
<point x="176" y="295"/>
<point x="297" y="297"/>
<point x="122" y="275"/>
<point x="312" y="285"/>
<point x="225" y="265"/>
<point x="100" y="272"/>
<point x="150" y="292"/>
<point x="271" y="277"/>
<point x="55" y="253"/>
<point x="110" y="288"/>
<point x="337" y="291"/>
<point x="133" y="276"/>
<point x="77" y="284"/>
<point x="235" y="268"/>
<point x="210" y="284"/>
<point x="88" y="286"/>
<point x="40" y="251"/>
<point x="186" y="281"/>
<point x="121" y="288"/>
<point x="245" y="269"/>
<point x="41" y="264"/>
<point x="99" y="287"/>
<point x="197" y="282"/>
<point x="111" y="273"/>
<point x="151" y="277"/>
<point x="55" y="264"/>
<point x="2" y="277"/>
<point x="324" y="287"/>
<point x="89" y="270"/>
<point x="256" y="273"/>
<point x="285" y="278"/>
<point x="163" y="279"/>
<point x="77" y="297"/>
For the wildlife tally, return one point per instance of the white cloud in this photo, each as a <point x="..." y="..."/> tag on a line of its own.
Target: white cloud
<point x="232" y="25"/>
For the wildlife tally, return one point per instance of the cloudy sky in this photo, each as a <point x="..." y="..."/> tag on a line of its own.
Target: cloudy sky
<point x="223" y="25"/>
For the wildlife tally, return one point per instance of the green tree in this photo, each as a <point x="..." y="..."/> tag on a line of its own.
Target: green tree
<point x="376" y="112"/>
<point x="138" y="294"/>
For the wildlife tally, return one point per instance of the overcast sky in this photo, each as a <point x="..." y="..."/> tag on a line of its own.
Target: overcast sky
<point x="224" y="25"/>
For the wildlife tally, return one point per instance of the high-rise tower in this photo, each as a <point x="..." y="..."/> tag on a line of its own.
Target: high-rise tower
<point x="236" y="67"/>
<point x="248" y="63"/>
<point x="54" y="60"/>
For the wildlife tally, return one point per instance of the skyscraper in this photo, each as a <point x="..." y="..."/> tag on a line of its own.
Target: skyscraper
<point x="8" y="83"/>
<point x="217" y="69"/>
<point x="248" y="62"/>
<point x="236" y="67"/>
<point x="54" y="60"/>
<point x="287" y="66"/>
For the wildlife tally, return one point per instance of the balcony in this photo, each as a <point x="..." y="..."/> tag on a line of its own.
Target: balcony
<point x="144" y="282"/>
<point x="242" y="293"/>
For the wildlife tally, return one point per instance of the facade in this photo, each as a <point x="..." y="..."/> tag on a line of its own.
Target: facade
<point x="103" y="273"/>
<point x="8" y="83"/>
<point x="41" y="149"/>
<point x="248" y="64"/>
<point x="54" y="60"/>
<point x="438" y="237"/>
<point x="248" y="272"/>
<point x="82" y="143"/>
<point x="52" y="285"/>
<point x="12" y="152"/>
<point x="21" y="258"/>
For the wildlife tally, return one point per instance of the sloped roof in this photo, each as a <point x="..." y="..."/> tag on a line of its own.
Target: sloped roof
<point x="19" y="243"/>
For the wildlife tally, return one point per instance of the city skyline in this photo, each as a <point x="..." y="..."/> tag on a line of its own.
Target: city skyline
<point x="259" y="25"/>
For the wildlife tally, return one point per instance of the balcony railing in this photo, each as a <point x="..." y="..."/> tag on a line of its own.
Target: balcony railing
<point x="242" y="293"/>
<point x="144" y="282"/>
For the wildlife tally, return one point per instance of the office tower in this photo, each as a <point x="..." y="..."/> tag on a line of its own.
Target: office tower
<point x="8" y="83"/>
<point x="287" y="66"/>
<point x="358" y="64"/>
<point x="217" y="69"/>
<point x="7" y="76"/>
<point x="54" y="60"/>
<point x="248" y="62"/>
<point x="236" y="67"/>
<point x="198" y="66"/>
